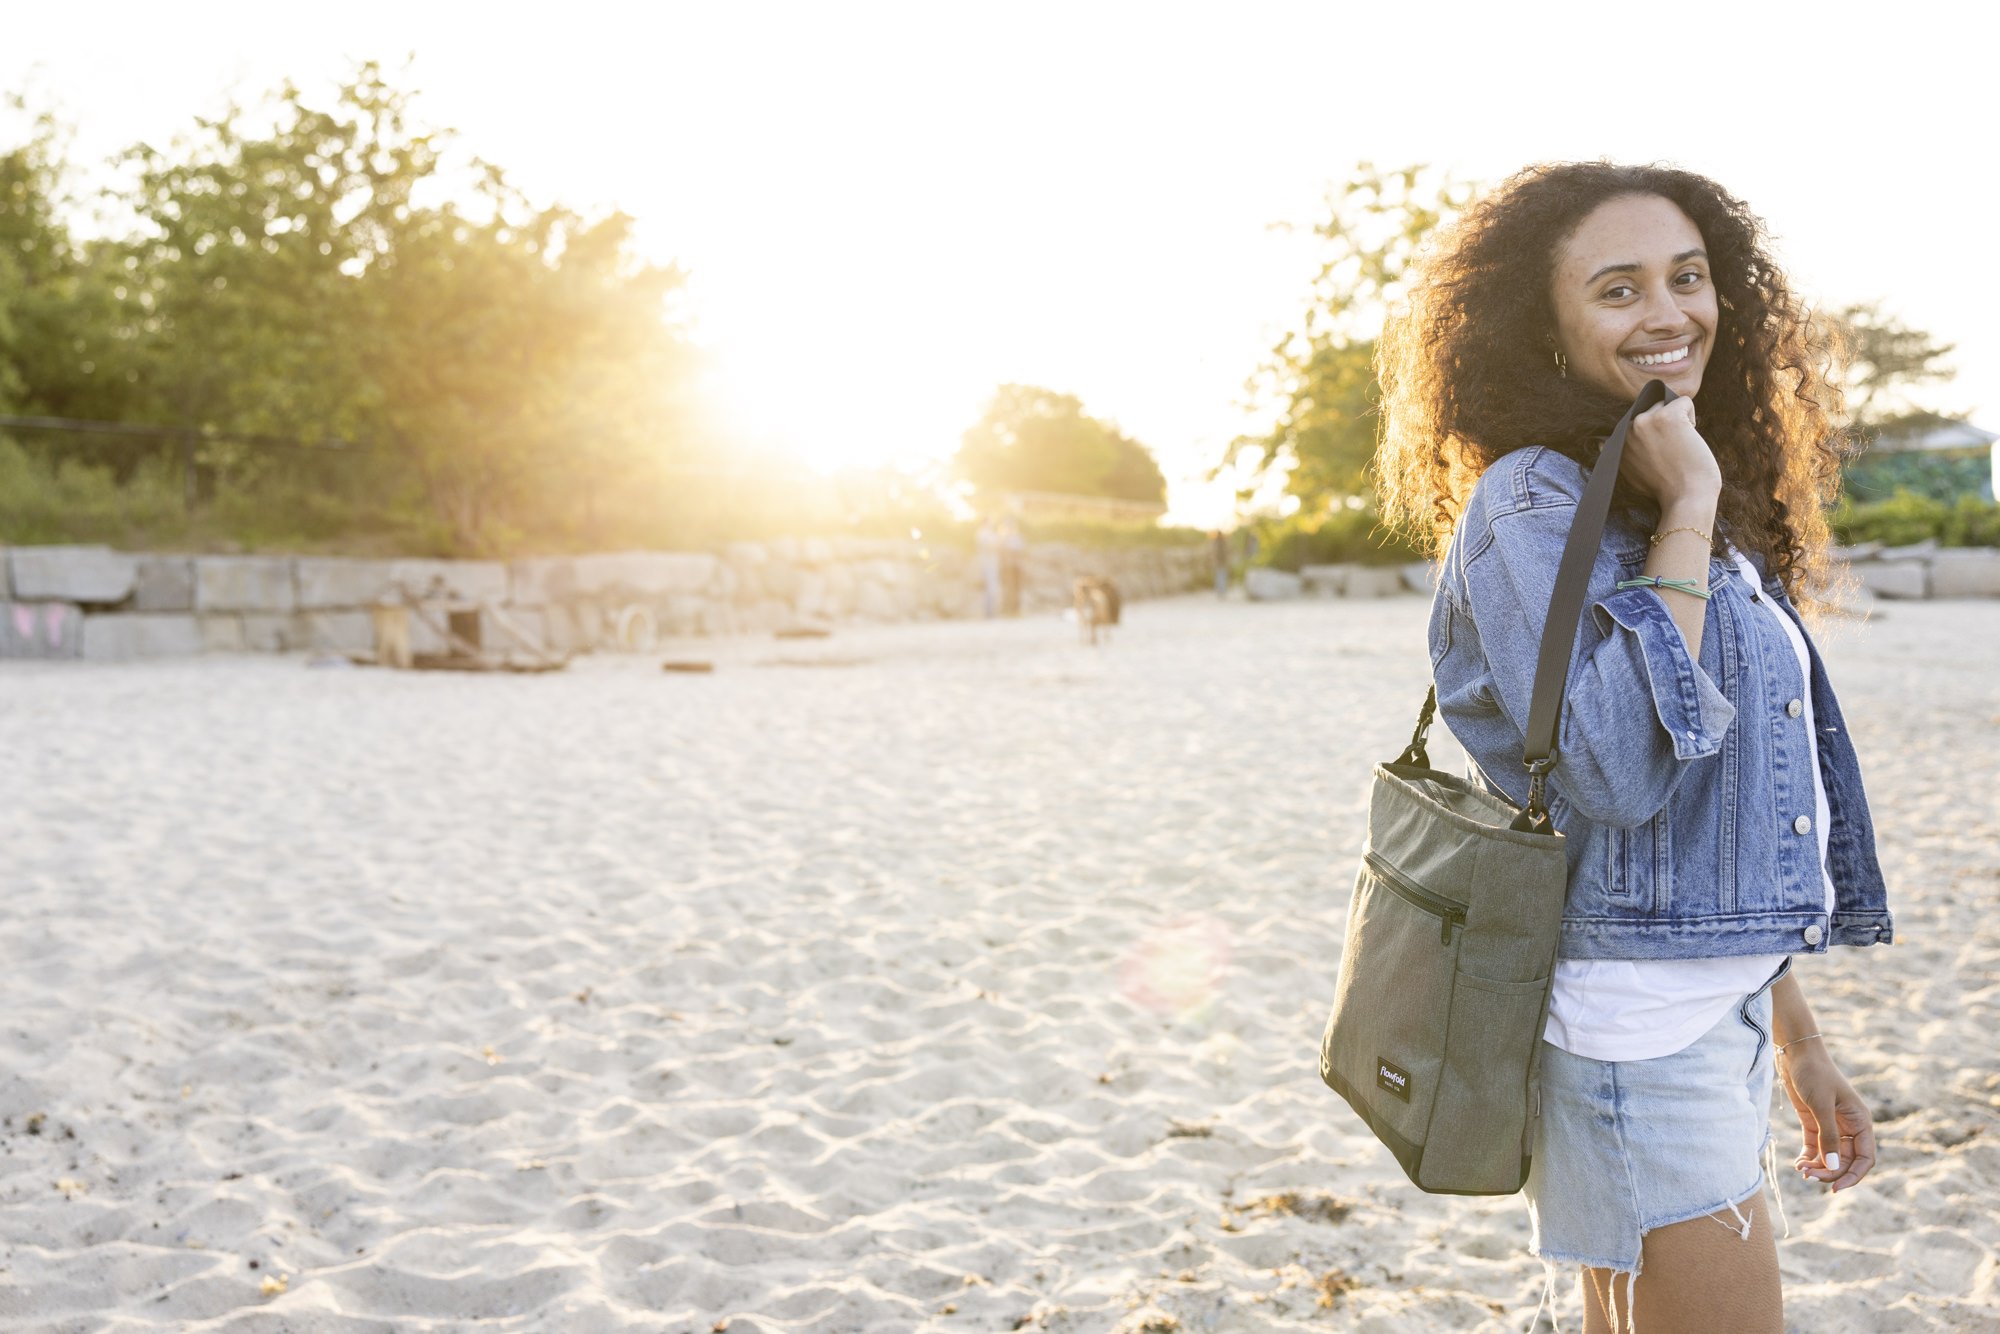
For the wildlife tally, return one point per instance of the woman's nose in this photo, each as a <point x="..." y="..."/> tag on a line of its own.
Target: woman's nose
<point x="1663" y="313"/>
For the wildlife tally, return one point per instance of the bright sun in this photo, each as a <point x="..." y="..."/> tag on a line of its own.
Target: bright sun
<point x="840" y="408"/>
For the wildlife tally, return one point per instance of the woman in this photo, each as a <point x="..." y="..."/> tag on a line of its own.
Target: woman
<point x="1710" y="797"/>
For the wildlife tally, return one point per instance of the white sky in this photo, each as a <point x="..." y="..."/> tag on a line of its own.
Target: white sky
<point x="888" y="210"/>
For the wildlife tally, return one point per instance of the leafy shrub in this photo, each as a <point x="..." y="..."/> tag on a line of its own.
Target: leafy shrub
<point x="44" y="500"/>
<point x="47" y="498"/>
<point x="1907" y="517"/>
<point x="1337" y="537"/>
<point x="1093" y="533"/>
<point x="1879" y="474"/>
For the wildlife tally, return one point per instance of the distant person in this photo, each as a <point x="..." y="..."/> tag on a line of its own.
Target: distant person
<point x="1218" y="551"/>
<point x="1012" y="547"/>
<point x="988" y="543"/>
<point x="1707" y="785"/>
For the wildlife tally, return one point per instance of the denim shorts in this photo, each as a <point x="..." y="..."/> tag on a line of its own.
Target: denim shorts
<point x="1623" y="1147"/>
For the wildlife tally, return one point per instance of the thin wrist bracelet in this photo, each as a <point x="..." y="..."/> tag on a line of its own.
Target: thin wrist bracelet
<point x="1654" y="581"/>
<point x="1654" y="540"/>
<point x="1796" y="1041"/>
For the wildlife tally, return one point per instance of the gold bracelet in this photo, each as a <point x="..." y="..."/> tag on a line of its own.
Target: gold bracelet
<point x="1655" y="540"/>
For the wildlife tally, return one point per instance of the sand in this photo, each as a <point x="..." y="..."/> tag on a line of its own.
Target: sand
<point x="950" y="976"/>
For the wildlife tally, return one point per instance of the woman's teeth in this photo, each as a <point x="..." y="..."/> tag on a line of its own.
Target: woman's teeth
<point x="1662" y="358"/>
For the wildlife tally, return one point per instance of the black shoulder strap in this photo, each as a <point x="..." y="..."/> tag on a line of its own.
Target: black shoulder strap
<point x="1586" y="534"/>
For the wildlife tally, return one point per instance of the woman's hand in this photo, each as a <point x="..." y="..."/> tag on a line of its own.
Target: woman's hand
<point x="1839" y="1132"/>
<point x="1666" y="458"/>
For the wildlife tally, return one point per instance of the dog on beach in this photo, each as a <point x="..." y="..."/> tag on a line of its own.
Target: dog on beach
<point x="1096" y="601"/>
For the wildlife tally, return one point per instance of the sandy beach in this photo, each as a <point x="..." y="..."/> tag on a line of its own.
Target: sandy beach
<point x="949" y="976"/>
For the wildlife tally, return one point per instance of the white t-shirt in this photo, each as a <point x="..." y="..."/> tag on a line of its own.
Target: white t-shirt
<point x="1636" y="1009"/>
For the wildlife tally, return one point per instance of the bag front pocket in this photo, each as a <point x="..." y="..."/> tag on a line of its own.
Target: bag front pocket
<point x="1449" y="912"/>
<point x="1479" y="1135"/>
<point x="1383" y="1048"/>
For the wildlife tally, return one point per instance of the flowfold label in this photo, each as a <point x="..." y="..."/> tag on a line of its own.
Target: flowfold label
<point x="1393" y="1078"/>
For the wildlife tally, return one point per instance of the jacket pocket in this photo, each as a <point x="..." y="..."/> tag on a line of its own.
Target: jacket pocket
<point x="1638" y="868"/>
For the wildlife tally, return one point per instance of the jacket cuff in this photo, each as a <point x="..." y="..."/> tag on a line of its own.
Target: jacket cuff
<point x="1690" y="706"/>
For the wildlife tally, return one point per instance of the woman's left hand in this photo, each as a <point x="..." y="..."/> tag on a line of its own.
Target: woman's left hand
<point x="1839" y="1131"/>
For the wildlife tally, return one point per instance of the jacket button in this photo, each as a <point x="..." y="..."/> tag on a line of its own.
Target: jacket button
<point x="1813" y="934"/>
<point x="1795" y="708"/>
<point x="1802" y="824"/>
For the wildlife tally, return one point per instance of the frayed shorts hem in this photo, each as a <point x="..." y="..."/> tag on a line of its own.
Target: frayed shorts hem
<point x="1633" y="1265"/>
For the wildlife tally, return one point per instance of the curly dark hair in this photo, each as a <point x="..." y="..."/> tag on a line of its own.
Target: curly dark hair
<point x="1468" y="375"/>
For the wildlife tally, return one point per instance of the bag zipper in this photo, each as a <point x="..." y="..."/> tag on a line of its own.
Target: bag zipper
<point x="1451" y="910"/>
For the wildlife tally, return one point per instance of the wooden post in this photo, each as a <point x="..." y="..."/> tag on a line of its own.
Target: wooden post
<point x="392" y="635"/>
<point x="187" y="472"/>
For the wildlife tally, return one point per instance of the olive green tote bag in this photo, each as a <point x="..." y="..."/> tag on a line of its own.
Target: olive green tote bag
<point x="1450" y="951"/>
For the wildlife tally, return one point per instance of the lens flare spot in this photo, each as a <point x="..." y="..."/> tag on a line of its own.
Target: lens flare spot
<point x="1178" y="968"/>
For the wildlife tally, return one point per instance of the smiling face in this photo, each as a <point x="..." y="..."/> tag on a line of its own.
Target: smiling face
<point x="1633" y="298"/>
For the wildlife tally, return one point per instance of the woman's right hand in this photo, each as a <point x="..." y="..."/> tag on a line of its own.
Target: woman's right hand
<point x="1666" y="458"/>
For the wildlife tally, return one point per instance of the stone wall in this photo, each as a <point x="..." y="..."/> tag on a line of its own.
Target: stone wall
<point x="92" y="602"/>
<point x="1924" y="570"/>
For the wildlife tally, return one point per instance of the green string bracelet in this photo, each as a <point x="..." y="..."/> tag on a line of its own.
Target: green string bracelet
<point x="1654" y="581"/>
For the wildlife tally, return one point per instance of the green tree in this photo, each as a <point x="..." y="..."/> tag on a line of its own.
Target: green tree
<point x="1135" y="474"/>
<point x="29" y="235"/>
<point x="59" y="351"/>
<point x="512" y="371"/>
<point x="1890" y="368"/>
<point x="1889" y="365"/>
<point x="1035" y="439"/>
<point x="529" y="373"/>
<point x="244" y="297"/>
<point x="1321" y="376"/>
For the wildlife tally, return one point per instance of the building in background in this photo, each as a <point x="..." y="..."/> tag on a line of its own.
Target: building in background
<point x="1942" y="460"/>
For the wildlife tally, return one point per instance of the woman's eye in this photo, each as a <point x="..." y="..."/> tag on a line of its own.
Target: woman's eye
<point x="1691" y="278"/>
<point x="1616" y="292"/>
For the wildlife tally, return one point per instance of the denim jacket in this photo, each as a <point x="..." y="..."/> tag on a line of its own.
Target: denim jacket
<point x="1681" y="786"/>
